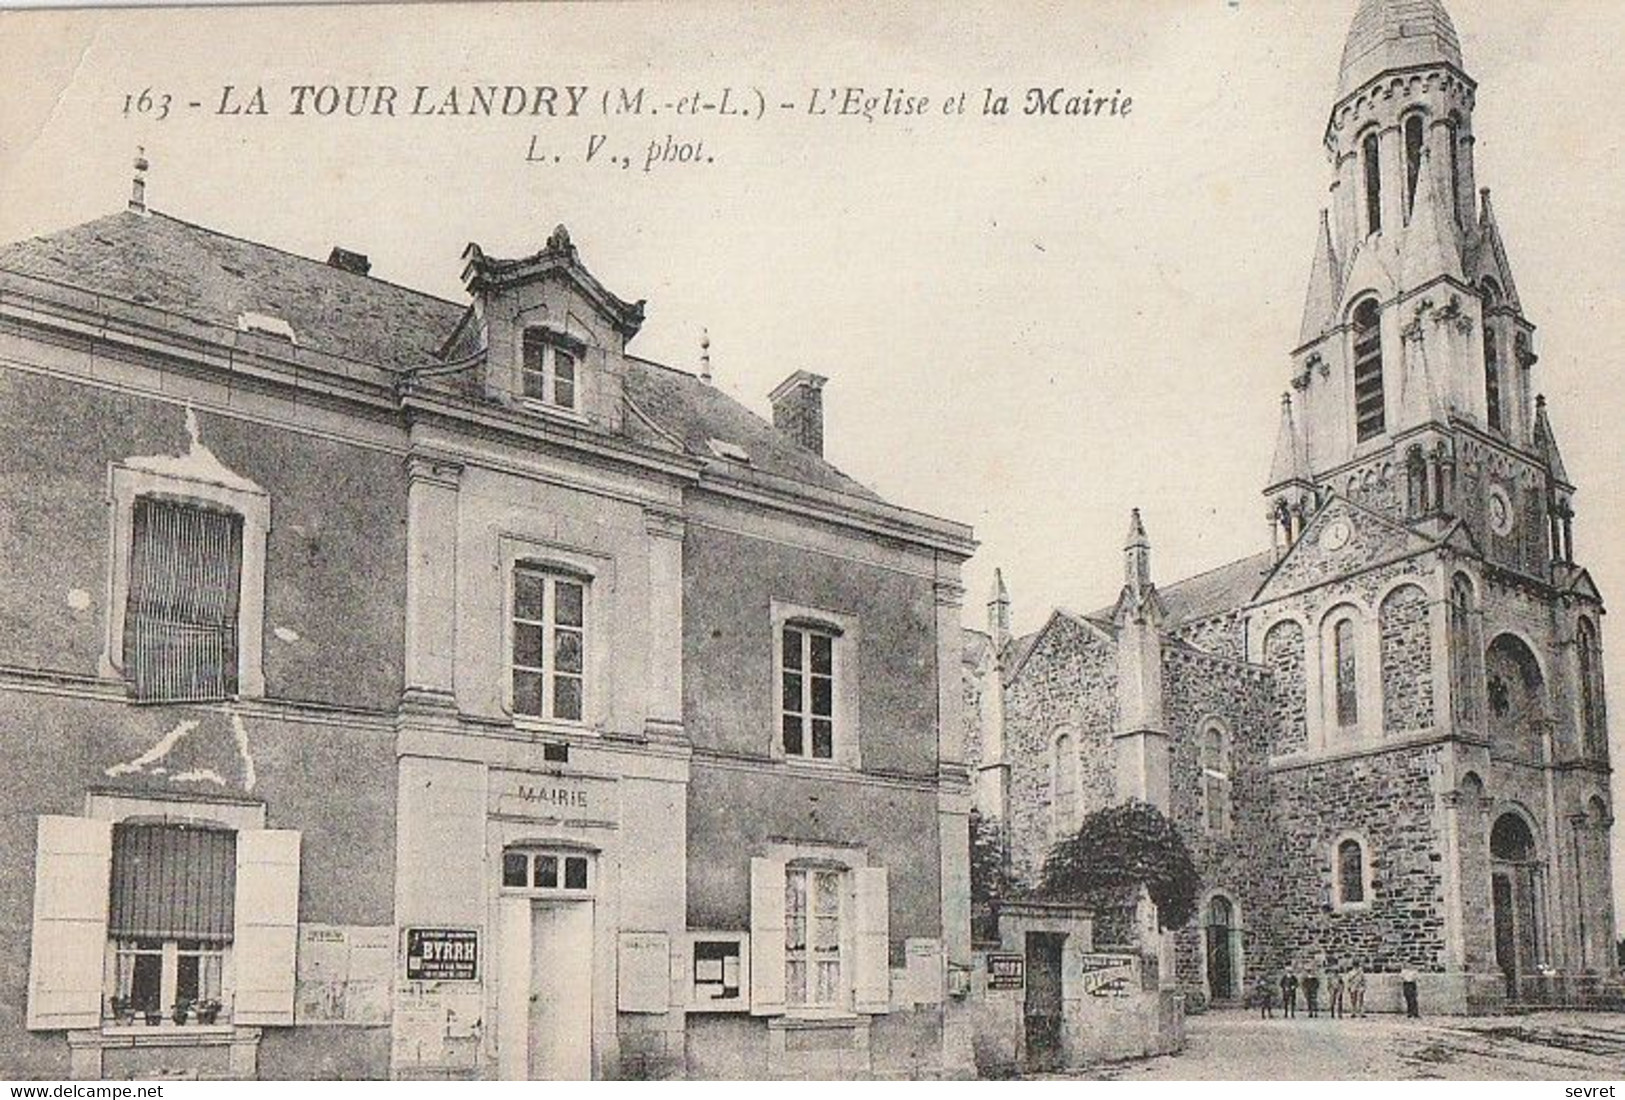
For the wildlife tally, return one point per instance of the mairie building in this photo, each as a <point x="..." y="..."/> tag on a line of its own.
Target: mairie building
<point x="406" y="687"/>
<point x="1384" y="736"/>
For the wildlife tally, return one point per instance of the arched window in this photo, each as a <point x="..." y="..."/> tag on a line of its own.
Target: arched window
<point x="1215" y="746"/>
<point x="1413" y="157"/>
<point x="1373" y="182"/>
<point x="1370" y="418"/>
<point x="1346" y="673"/>
<point x="1064" y="785"/>
<point x="1594" y="726"/>
<point x="1350" y="872"/>
<point x="1492" y="379"/>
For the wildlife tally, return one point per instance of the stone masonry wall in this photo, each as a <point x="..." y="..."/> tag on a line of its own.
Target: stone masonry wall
<point x="1407" y="660"/>
<point x="1386" y="800"/>
<point x="1238" y="861"/>
<point x="1284" y="655"/>
<point x="1069" y="678"/>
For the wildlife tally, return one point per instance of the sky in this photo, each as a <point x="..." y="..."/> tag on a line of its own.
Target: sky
<point x="1030" y="324"/>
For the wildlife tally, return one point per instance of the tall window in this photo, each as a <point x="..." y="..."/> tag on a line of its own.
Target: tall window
<point x="1064" y="785"/>
<point x="1373" y="182"/>
<point x="549" y="644"/>
<point x="1370" y="418"/>
<point x="1452" y="132"/>
<point x="807" y="695"/>
<point x="180" y="622"/>
<point x="813" y="898"/>
<point x="1413" y="158"/>
<point x="548" y="373"/>
<point x="171" y="916"/>
<point x="1347" y="673"/>
<point x="1350" y="872"/>
<point x="1492" y="378"/>
<point x="1215" y="779"/>
<point x="1595" y="726"/>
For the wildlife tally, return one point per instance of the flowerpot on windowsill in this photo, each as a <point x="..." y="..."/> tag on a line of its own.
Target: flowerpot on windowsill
<point x="183" y="1009"/>
<point x="208" y="1012"/>
<point x="154" y="1018"/>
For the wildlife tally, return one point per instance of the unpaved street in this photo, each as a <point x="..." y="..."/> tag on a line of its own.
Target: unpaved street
<point x="1539" y="1046"/>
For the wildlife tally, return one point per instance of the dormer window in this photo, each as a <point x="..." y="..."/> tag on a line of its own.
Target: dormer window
<point x="548" y="372"/>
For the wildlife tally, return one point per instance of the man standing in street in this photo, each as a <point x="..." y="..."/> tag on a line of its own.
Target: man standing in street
<point x="1289" y="995"/>
<point x="1355" y="981"/>
<point x="1334" y="979"/>
<point x="1407" y="984"/>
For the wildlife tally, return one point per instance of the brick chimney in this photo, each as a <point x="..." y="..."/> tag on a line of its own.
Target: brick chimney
<point x="355" y="263"/>
<point x="798" y="409"/>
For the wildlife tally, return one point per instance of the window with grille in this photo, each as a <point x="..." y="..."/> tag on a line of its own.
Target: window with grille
<point x="1370" y="418"/>
<point x="813" y="903"/>
<point x="548" y="372"/>
<point x="549" y="644"/>
<point x="1347" y="673"/>
<point x="171" y="918"/>
<point x="807" y="690"/>
<point x="180" y="621"/>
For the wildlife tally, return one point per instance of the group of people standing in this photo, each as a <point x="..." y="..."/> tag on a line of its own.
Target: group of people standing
<point x="1343" y="987"/>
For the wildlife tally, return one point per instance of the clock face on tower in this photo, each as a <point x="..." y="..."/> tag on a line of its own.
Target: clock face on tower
<point x="1500" y="512"/>
<point x="1335" y="535"/>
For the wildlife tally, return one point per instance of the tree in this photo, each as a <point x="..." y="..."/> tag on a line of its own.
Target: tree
<point x="1116" y="851"/>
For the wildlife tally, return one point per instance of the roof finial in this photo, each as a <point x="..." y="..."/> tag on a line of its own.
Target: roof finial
<point x="138" y="185"/>
<point x="705" y="355"/>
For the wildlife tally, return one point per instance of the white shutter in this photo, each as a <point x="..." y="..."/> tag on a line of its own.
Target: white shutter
<point x="72" y="863"/>
<point x="264" y="942"/>
<point x="767" y="937"/>
<point x="872" y="952"/>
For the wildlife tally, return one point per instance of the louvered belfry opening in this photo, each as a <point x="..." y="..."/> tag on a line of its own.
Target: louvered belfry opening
<point x="173" y="882"/>
<point x="180" y="640"/>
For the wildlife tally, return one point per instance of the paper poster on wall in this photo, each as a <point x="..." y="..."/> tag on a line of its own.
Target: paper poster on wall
<point x="644" y="982"/>
<point x="1110" y="975"/>
<point x="343" y="975"/>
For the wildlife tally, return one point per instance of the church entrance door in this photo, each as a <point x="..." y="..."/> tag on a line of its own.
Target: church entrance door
<point x="1221" y="958"/>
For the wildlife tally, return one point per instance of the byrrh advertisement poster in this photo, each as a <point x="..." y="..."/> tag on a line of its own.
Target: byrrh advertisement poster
<point x="702" y="541"/>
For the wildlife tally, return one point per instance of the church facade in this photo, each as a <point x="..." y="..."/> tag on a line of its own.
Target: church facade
<point x="1385" y="737"/>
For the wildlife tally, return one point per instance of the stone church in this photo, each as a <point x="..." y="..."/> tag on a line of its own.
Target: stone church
<point x="1384" y="737"/>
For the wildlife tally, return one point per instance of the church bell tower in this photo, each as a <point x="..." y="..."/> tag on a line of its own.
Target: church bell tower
<point x="1414" y="356"/>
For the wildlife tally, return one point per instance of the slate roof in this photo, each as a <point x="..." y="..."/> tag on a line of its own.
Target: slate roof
<point x="1395" y="34"/>
<point x="173" y="265"/>
<point x="1205" y="595"/>
<point x="166" y="263"/>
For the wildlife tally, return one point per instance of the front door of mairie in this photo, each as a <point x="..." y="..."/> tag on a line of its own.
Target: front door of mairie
<point x="561" y="991"/>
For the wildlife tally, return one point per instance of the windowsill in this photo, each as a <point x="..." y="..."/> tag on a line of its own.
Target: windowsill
<point x="555" y="412"/>
<point x="169" y="1033"/>
<point x="532" y="723"/>
<point x="814" y="1020"/>
<point x="1352" y="907"/>
<point x="812" y="764"/>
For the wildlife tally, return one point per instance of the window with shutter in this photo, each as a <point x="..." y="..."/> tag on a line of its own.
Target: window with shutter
<point x="181" y="616"/>
<point x="265" y="929"/>
<point x="72" y="857"/>
<point x="171" y="919"/>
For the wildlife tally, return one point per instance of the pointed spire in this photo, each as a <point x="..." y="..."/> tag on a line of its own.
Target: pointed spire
<point x="705" y="355"/>
<point x="1325" y="286"/>
<point x="1291" y="460"/>
<point x="1136" y="555"/>
<point x="1490" y="234"/>
<point x="1419" y="401"/>
<point x="1431" y="245"/>
<point x="1546" y="444"/>
<point x="138" y="183"/>
<point x="998" y="611"/>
